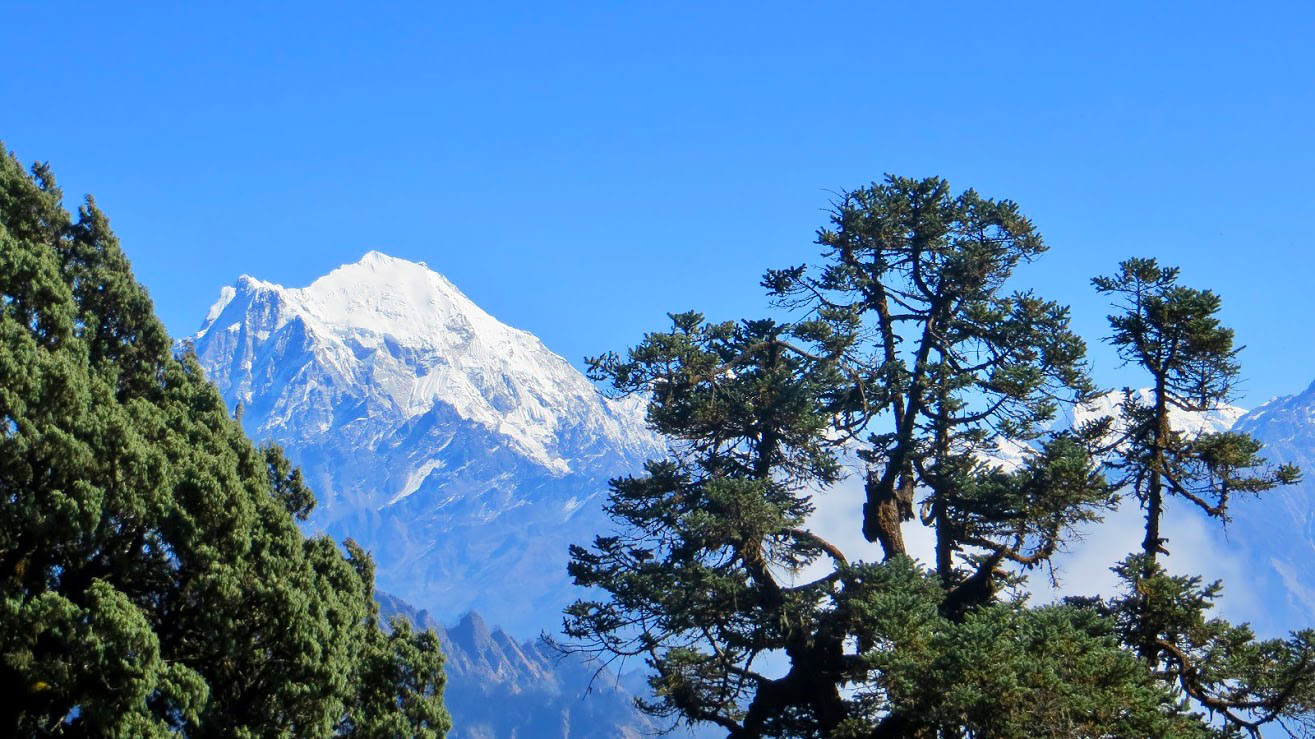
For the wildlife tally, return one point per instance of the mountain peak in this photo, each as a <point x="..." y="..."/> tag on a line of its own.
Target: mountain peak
<point x="251" y="283"/>
<point x="472" y="633"/>
<point x="376" y="257"/>
<point x="406" y="339"/>
<point x="407" y="301"/>
<point x="423" y="420"/>
<point x="375" y="300"/>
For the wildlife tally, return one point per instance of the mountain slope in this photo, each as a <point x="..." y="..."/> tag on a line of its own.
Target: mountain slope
<point x="498" y="687"/>
<point x="1279" y="531"/>
<point x="461" y="452"/>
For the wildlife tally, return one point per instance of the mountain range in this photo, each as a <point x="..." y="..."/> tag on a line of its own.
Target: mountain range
<point x="501" y="688"/>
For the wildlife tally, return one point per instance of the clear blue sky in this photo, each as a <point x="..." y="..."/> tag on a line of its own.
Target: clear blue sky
<point x="580" y="169"/>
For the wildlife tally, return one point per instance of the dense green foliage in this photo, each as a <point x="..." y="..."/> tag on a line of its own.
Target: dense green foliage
<point x="153" y="580"/>
<point x="907" y="358"/>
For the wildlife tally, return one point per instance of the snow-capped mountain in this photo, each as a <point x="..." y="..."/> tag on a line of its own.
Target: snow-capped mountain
<point x="1010" y="453"/>
<point x="1279" y="531"/>
<point x="461" y="452"/>
<point x="467" y="456"/>
<point x="1190" y="423"/>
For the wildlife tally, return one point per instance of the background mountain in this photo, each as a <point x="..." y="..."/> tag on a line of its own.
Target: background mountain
<point x="499" y="688"/>
<point x="1278" y="532"/>
<point x="1107" y="405"/>
<point x="461" y="452"/>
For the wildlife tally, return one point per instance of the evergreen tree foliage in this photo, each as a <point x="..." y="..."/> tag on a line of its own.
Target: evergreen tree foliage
<point x="951" y="359"/>
<point x="907" y="357"/>
<point x="1173" y="334"/>
<point x="152" y="578"/>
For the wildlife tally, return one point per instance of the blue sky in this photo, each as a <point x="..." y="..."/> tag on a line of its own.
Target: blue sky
<point x="581" y="169"/>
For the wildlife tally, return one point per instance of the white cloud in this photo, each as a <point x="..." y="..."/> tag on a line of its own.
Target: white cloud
<point x="1197" y="546"/>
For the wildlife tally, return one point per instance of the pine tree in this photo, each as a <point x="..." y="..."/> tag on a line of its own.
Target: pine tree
<point x="710" y="530"/>
<point x="954" y="362"/>
<point x="906" y="346"/>
<point x="152" y="577"/>
<point x="1173" y="334"/>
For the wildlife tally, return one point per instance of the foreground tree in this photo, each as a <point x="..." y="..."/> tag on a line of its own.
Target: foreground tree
<point x="1173" y="334"/>
<point x="909" y="348"/>
<point x="152" y="577"/>
<point x="950" y="363"/>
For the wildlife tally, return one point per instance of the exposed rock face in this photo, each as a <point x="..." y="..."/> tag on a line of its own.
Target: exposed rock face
<point x="461" y="452"/>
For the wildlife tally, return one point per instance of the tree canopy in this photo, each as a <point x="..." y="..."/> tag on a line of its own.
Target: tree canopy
<point x="907" y="354"/>
<point x="153" y="580"/>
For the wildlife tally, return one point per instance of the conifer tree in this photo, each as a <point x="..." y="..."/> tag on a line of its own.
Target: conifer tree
<point x="953" y="362"/>
<point x="904" y="343"/>
<point x="1174" y="335"/>
<point x="152" y="578"/>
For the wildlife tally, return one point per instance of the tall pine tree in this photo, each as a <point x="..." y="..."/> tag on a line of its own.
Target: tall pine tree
<point x="907" y="346"/>
<point x="1173" y="334"/>
<point x="951" y="361"/>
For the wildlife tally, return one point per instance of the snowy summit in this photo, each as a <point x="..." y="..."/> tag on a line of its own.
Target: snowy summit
<point x="452" y="446"/>
<point x="410" y="336"/>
